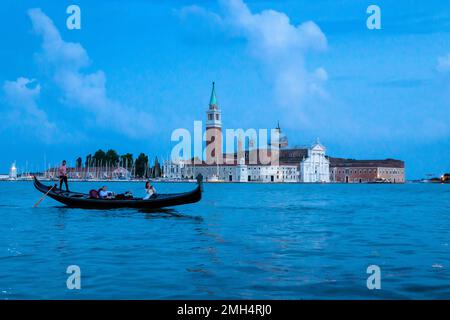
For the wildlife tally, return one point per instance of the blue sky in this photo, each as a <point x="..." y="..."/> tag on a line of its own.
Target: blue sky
<point x="136" y="72"/>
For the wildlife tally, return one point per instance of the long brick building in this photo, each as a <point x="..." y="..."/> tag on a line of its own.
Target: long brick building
<point x="363" y="171"/>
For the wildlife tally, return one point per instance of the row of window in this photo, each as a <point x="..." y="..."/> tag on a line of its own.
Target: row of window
<point x="292" y="171"/>
<point x="354" y="171"/>
<point x="351" y="171"/>
<point x="391" y="171"/>
<point x="211" y="116"/>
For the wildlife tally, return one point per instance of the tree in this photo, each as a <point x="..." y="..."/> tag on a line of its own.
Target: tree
<point x="156" y="169"/>
<point x="79" y="162"/>
<point x="127" y="160"/>
<point x="111" y="157"/>
<point x="99" y="156"/>
<point x="88" y="161"/>
<point x="141" y="165"/>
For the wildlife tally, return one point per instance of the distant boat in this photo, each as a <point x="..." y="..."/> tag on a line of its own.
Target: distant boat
<point x="215" y="178"/>
<point x="82" y="200"/>
<point x="379" y="180"/>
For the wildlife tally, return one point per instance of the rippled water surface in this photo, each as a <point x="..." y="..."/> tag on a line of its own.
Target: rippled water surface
<point x="283" y="241"/>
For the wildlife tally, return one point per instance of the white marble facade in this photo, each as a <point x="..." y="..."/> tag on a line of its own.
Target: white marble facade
<point x="315" y="167"/>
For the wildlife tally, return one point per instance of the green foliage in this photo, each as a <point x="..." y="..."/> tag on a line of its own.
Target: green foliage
<point x="88" y="161"/>
<point x="99" y="157"/>
<point x="79" y="162"/>
<point x="142" y="166"/>
<point x="156" y="169"/>
<point x="103" y="158"/>
<point x="126" y="160"/>
<point x="111" y="157"/>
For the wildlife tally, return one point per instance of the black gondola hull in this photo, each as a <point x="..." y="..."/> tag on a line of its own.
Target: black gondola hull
<point x="81" y="200"/>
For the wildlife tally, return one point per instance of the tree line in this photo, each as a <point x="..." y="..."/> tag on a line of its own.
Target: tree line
<point x="140" y="166"/>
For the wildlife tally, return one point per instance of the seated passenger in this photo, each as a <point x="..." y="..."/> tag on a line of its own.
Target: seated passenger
<point x="93" y="194"/>
<point x="104" y="193"/>
<point x="150" y="191"/>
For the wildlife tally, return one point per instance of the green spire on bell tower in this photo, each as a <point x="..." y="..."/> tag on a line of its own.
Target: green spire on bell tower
<point x="213" y="99"/>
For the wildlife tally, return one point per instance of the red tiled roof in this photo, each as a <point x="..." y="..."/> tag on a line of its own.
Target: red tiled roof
<point x="386" y="163"/>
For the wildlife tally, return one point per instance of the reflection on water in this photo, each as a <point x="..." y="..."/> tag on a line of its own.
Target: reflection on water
<point x="162" y="213"/>
<point x="240" y="241"/>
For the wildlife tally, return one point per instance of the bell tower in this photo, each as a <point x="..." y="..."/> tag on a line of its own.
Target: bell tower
<point x="213" y="130"/>
<point x="282" y="138"/>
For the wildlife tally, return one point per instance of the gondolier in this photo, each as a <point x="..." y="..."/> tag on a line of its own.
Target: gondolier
<point x="63" y="175"/>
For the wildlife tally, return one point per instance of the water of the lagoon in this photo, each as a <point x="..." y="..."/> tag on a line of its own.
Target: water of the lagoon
<point x="279" y="241"/>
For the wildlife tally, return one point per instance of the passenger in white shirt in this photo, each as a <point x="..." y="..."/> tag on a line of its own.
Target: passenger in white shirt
<point x="104" y="193"/>
<point x="150" y="191"/>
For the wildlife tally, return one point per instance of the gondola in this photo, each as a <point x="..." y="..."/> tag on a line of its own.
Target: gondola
<point x="82" y="200"/>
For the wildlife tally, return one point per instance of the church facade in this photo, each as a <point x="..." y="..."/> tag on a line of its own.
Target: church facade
<point x="308" y="164"/>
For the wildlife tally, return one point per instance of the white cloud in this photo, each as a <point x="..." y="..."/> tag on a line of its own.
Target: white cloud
<point x="271" y="31"/>
<point x="321" y="74"/>
<point x="278" y="44"/>
<point x="443" y="64"/>
<point x="83" y="89"/>
<point x="24" y="112"/>
<point x="187" y="11"/>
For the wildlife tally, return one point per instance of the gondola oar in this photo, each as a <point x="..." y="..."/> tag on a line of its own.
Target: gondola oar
<point x="45" y="195"/>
